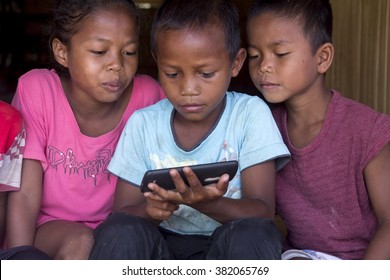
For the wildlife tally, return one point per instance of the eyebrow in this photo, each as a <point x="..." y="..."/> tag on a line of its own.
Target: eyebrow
<point x="101" y="39"/>
<point x="273" y="44"/>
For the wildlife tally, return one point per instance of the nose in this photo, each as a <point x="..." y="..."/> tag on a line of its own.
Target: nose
<point x="115" y="63"/>
<point x="190" y="86"/>
<point x="265" y="66"/>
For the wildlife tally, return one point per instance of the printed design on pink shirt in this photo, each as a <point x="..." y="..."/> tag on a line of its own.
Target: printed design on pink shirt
<point x="88" y="169"/>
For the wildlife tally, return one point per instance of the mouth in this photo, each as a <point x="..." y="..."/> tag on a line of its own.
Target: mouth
<point x="268" y="85"/>
<point x="192" y="108"/>
<point x="112" y="86"/>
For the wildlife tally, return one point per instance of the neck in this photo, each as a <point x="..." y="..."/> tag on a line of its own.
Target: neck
<point x="308" y="109"/>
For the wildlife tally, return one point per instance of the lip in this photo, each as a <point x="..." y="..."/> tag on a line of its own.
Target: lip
<point x="192" y="108"/>
<point x="268" y="85"/>
<point x="112" y="86"/>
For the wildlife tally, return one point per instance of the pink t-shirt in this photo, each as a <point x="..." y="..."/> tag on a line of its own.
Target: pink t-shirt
<point x="12" y="140"/>
<point x="77" y="185"/>
<point x="320" y="193"/>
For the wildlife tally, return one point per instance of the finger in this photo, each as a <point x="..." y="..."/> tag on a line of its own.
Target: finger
<point x="160" y="209"/>
<point x="222" y="184"/>
<point x="156" y="190"/>
<point x="153" y="196"/>
<point x="158" y="214"/>
<point x="192" y="179"/>
<point x="180" y="185"/>
<point x="164" y="205"/>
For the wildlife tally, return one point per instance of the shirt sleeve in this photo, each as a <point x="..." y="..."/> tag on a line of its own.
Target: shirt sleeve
<point x="262" y="137"/>
<point x="12" y="148"/>
<point x="28" y="101"/>
<point x="130" y="156"/>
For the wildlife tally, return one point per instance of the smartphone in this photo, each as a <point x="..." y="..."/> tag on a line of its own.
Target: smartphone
<point x="207" y="173"/>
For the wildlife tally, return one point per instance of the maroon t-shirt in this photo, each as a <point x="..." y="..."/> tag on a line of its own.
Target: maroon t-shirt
<point x="320" y="193"/>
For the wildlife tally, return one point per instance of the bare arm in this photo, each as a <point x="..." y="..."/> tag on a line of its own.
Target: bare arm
<point x="258" y="194"/>
<point x="3" y="205"/>
<point x="23" y="205"/>
<point x="377" y="178"/>
<point x="129" y="199"/>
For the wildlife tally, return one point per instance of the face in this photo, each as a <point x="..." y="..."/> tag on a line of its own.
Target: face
<point x="281" y="61"/>
<point x="195" y="70"/>
<point x="102" y="57"/>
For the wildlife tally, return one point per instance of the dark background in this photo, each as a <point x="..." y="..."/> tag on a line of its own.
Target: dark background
<point x="24" y="46"/>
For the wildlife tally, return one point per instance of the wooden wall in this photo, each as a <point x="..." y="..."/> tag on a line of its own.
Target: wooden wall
<point x="361" y="67"/>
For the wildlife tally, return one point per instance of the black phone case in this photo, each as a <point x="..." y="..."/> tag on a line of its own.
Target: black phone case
<point x="207" y="174"/>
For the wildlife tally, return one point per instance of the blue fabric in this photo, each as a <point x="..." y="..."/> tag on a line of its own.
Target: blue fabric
<point x="246" y="131"/>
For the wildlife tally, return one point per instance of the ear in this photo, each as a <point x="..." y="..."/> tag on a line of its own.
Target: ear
<point x="238" y="62"/>
<point x="325" y="55"/>
<point x="60" y="52"/>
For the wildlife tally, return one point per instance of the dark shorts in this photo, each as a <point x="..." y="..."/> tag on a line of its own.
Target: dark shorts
<point x="122" y="236"/>
<point x="23" y="253"/>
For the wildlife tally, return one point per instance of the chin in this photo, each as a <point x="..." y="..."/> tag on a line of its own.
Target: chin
<point x="110" y="99"/>
<point x="273" y="98"/>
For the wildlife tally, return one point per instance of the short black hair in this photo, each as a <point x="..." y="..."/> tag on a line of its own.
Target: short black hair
<point x="199" y="14"/>
<point x="68" y="15"/>
<point x="315" y="16"/>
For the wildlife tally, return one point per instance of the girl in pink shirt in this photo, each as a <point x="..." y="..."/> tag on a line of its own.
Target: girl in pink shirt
<point x="74" y="115"/>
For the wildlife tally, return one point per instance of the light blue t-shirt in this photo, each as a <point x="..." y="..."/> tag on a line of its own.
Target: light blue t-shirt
<point x="246" y="131"/>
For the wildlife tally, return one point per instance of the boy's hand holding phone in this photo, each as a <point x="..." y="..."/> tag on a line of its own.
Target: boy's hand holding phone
<point x="161" y="203"/>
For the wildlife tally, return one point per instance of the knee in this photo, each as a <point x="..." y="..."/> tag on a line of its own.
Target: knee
<point x="24" y="253"/>
<point x="120" y="224"/>
<point x="77" y="245"/>
<point x="123" y="236"/>
<point x="254" y="238"/>
<point x="255" y="228"/>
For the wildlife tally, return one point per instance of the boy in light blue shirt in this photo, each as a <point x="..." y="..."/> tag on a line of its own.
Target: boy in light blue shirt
<point x="197" y="51"/>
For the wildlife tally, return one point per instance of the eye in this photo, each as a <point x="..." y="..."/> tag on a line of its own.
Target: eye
<point x="281" y="54"/>
<point x="172" y="75"/>
<point x="207" y="75"/>
<point x="97" y="52"/>
<point x="130" y="53"/>
<point x="253" y="56"/>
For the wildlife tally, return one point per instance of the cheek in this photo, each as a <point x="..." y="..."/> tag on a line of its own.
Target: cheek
<point x="167" y="86"/>
<point x="252" y="69"/>
<point x="253" y="72"/>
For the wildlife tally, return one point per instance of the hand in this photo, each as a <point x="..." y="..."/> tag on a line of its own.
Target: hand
<point x="194" y="194"/>
<point x="158" y="208"/>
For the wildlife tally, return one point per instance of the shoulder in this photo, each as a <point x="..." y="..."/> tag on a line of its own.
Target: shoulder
<point x="145" y="82"/>
<point x="142" y="78"/>
<point x="358" y="114"/>
<point x="146" y="90"/>
<point x="39" y="75"/>
<point x="160" y="107"/>
<point x="246" y="107"/>
<point x="359" y="122"/>
<point x="243" y="100"/>
<point x="11" y="124"/>
<point x="10" y="118"/>
<point x="9" y="115"/>
<point x="352" y="108"/>
<point x="150" y="116"/>
<point x="41" y="83"/>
